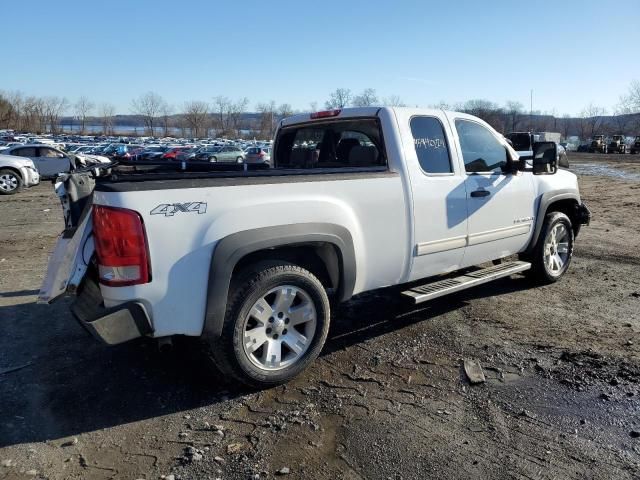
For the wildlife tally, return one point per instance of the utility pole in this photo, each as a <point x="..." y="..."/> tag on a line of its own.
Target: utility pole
<point x="531" y="112"/>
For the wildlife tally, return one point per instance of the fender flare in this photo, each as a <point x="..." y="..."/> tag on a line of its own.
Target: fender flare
<point x="232" y="248"/>
<point x="547" y="199"/>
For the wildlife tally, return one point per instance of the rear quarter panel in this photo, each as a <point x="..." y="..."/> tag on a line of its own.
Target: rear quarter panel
<point x="181" y="245"/>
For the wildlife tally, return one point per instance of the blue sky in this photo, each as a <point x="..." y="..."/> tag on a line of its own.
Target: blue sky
<point x="298" y="52"/>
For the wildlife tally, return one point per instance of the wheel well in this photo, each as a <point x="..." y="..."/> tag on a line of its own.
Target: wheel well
<point x="14" y="170"/>
<point x="323" y="259"/>
<point x="569" y="207"/>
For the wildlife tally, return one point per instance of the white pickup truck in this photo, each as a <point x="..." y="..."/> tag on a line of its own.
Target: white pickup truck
<point x="355" y="200"/>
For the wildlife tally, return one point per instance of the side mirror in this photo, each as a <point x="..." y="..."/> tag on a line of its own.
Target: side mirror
<point x="545" y="158"/>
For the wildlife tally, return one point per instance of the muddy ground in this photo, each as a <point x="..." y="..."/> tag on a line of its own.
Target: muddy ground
<point x="388" y="398"/>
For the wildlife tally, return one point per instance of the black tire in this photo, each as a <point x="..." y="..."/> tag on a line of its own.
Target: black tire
<point x="10" y="182"/>
<point x="540" y="271"/>
<point x="228" y="351"/>
<point x="213" y="159"/>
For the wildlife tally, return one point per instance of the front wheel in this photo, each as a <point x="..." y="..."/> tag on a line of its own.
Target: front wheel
<point x="239" y="159"/>
<point x="276" y="323"/>
<point x="552" y="254"/>
<point x="10" y="182"/>
<point x="213" y="159"/>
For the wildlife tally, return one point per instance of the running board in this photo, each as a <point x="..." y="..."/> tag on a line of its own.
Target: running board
<point x="450" y="285"/>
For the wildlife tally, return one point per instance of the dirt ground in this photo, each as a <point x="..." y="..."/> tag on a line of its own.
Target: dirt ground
<point x="387" y="399"/>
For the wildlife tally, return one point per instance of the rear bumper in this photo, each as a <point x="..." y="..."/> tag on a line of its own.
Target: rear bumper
<point x="113" y="325"/>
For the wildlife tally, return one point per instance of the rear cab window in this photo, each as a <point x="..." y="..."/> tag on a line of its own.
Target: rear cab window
<point x="348" y="143"/>
<point x="430" y="143"/>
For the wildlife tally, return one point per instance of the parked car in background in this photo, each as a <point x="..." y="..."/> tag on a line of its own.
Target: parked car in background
<point x="16" y="173"/>
<point x="127" y="152"/>
<point x="204" y="153"/>
<point x="635" y="147"/>
<point x="172" y="153"/>
<point x="48" y="160"/>
<point x="227" y="154"/>
<point x="186" y="153"/>
<point x="257" y="155"/>
<point x="152" y="153"/>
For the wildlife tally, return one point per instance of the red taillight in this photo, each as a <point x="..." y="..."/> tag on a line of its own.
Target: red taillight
<point x="121" y="246"/>
<point x="326" y="113"/>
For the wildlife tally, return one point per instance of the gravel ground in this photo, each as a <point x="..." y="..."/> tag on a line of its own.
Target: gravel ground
<point x="388" y="397"/>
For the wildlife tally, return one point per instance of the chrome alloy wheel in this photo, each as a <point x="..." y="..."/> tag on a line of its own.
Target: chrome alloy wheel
<point x="556" y="249"/>
<point x="9" y="182"/>
<point x="279" y="328"/>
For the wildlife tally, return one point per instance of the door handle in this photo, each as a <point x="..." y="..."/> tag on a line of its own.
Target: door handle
<point x="480" y="193"/>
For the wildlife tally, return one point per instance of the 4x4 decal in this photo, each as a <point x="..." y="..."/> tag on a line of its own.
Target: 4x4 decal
<point x="170" y="209"/>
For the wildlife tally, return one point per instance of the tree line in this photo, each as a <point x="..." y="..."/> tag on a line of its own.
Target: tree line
<point x="223" y="116"/>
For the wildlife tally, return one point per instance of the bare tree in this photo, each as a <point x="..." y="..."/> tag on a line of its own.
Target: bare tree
<point x="631" y="100"/>
<point x="6" y="112"/>
<point x="285" y="110"/>
<point x="236" y="111"/>
<point x="107" y="111"/>
<point x="148" y="106"/>
<point x="393" y="101"/>
<point x="513" y="113"/>
<point x="487" y="111"/>
<point x="83" y="108"/>
<point x="196" y="115"/>
<point x="367" y="98"/>
<point x="338" y="99"/>
<point x="54" y="108"/>
<point x="565" y="126"/>
<point x="165" y="111"/>
<point x="591" y="118"/>
<point x="221" y="113"/>
<point x="267" y="113"/>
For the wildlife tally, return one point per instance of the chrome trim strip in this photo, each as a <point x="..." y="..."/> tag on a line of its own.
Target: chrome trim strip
<point x="435" y="246"/>
<point x="499" y="233"/>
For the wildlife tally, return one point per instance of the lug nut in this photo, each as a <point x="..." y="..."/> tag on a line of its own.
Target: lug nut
<point x="268" y="330"/>
<point x="280" y="314"/>
<point x="270" y="319"/>
<point x="275" y="336"/>
<point x="284" y="332"/>
<point x="286" y="321"/>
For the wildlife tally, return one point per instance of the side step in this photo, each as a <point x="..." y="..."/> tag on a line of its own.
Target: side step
<point x="440" y="288"/>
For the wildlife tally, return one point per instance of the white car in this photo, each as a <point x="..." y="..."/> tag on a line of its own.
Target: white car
<point x="16" y="173"/>
<point x="249" y="259"/>
<point x="50" y="161"/>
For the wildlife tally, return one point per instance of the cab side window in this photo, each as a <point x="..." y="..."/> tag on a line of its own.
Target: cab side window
<point x="481" y="150"/>
<point x="25" y="152"/>
<point x="47" y="152"/>
<point x="431" y="146"/>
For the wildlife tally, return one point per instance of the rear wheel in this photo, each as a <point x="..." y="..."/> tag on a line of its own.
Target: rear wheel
<point x="552" y="254"/>
<point x="276" y="323"/>
<point x="10" y="182"/>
